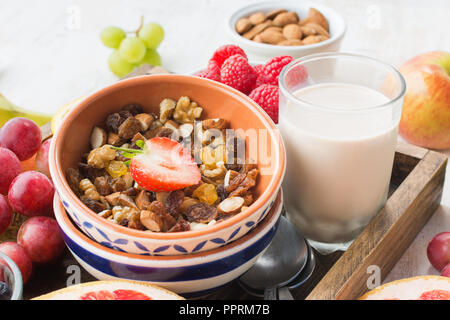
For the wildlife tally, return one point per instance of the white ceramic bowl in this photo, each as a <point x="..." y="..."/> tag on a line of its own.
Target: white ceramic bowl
<point x="262" y="51"/>
<point x="191" y="275"/>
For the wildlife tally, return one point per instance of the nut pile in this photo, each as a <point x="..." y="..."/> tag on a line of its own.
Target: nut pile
<point x="104" y="183"/>
<point x="284" y="28"/>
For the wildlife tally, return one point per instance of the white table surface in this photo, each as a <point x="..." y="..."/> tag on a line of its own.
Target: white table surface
<point x="50" y="54"/>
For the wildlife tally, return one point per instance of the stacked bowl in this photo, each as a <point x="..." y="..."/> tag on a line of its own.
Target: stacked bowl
<point x="193" y="262"/>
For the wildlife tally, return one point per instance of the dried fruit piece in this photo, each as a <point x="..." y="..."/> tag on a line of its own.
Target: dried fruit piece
<point x="143" y="200"/>
<point x="230" y="205"/>
<point x="102" y="184"/>
<point x="116" y="169"/>
<point x="206" y="193"/>
<point x="73" y="178"/>
<point x="247" y="183"/>
<point x="134" y="108"/>
<point x="129" y="128"/>
<point x="180" y="225"/>
<point x="113" y="121"/>
<point x="201" y="212"/>
<point x="94" y="205"/>
<point x="174" y="201"/>
<point x="187" y="203"/>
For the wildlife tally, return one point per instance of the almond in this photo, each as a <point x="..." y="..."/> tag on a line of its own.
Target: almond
<point x="186" y="130"/>
<point x="318" y="29"/>
<point x="151" y="221"/>
<point x="230" y="205"/>
<point x="145" y="119"/>
<point x="292" y="31"/>
<point x="277" y="29"/>
<point x="308" y="31"/>
<point x="271" y="37"/>
<point x="314" y="39"/>
<point x="257" y="18"/>
<point x="243" y="25"/>
<point x="285" y="18"/>
<point x="98" y="137"/>
<point x="274" y="13"/>
<point x="257" y="29"/>
<point x="316" y="17"/>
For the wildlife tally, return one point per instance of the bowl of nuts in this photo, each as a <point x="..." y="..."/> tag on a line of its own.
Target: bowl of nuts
<point x="270" y="29"/>
<point x="161" y="165"/>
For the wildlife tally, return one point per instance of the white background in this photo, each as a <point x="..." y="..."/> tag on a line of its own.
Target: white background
<point x="50" y="53"/>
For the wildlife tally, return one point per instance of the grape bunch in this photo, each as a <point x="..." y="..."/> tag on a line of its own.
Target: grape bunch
<point x="132" y="51"/>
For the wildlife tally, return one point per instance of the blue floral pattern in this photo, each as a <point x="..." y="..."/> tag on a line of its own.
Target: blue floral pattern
<point x="124" y="245"/>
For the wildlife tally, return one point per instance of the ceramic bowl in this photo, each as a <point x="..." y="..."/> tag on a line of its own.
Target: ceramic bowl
<point x="71" y="140"/>
<point x="190" y="275"/>
<point x="263" y="52"/>
<point x="11" y="275"/>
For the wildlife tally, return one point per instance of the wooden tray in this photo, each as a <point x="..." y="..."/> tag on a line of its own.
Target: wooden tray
<point x="415" y="193"/>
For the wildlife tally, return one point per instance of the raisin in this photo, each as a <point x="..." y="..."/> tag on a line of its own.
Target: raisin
<point x="181" y="225"/>
<point x="124" y="222"/>
<point x="164" y="132"/>
<point x="201" y="212"/>
<point x="173" y="202"/>
<point x="157" y="207"/>
<point x="102" y="184"/>
<point x="113" y="121"/>
<point x="90" y="172"/>
<point x="221" y="192"/>
<point x="235" y="182"/>
<point x="132" y="192"/>
<point x="124" y="115"/>
<point x="188" y="191"/>
<point x="134" y="108"/>
<point x="247" y="183"/>
<point x="74" y="178"/>
<point x="94" y="205"/>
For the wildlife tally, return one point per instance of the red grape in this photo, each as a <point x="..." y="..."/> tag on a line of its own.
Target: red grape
<point x="438" y="250"/>
<point x="10" y="169"/>
<point x="41" y="239"/>
<point x="31" y="194"/>
<point x="42" y="158"/>
<point x="22" y="136"/>
<point x="18" y="254"/>
<point x="5" y="214"/>
<point x="446" y="271"/>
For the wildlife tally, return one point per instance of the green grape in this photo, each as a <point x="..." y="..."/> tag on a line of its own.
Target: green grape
<point x="132" y="49"/>
<point x="112" y="37"/>
<point x="118" y="65"/>
<point x="151" y="57"/>
<point x="152" y="34"/>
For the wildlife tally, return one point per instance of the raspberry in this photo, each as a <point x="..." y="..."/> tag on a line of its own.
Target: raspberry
<point x="238" y="73"/>
<point x="266" y="95"/>
<point x="226" y="51"/>
<point x="271" y="70"/>
<point x="212" y="72"/>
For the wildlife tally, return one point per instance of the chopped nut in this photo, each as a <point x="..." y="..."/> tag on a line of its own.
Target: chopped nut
<point x="186" y="111"/>
<point x="129" y="128"/>
<point x="105" y="213"/>
<point x="156" y="124"/>
<point x="218" y="172"/>
<point x="171" y="125"/>
<point x="230" y="205"/>
<point x="118" y="184"/>
<point x="151" y="220"/>
<point x="122" y="215"/>
<point x="145" y="119"/>
<point x="164" y="132"/>
<point x="248" y="198"/>
<point x="162" y="196"/>
<point x="98" y="137"/>
<point x="186" y="130"/>
<point x="102" y="184"/>
<point x="114" y="139"/>
<point x="143" y="200"/>
<point x="229" y="176"/>
<point x="167" y="107"/>
<point x="128" y="179"/>
<point x="100" y="157"/>
<point x="214" y="124"/>
<point x="138" y="136"/>
<point x="89" y="189"/>
<point x="127" y="201"/>
<point x="113" y="198"/>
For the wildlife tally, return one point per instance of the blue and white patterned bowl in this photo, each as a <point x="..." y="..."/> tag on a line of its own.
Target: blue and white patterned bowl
<point x="71" y="140"/>
<point x="191" y="275"/>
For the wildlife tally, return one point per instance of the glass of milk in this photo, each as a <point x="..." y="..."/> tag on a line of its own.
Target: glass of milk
<point x="339" y="116"/>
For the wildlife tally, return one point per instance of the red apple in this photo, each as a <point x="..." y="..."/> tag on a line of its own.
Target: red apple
<point x="425" y="117"/>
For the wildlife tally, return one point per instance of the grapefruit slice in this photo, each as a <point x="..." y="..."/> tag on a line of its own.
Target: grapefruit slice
<point x="415" y="288"/>
<point x="111" y="290"/>
<point x="58" y="117"/>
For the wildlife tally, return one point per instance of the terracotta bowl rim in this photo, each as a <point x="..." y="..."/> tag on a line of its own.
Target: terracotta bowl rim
<point x="61" y="213"/>
<point x="63" y="187"/>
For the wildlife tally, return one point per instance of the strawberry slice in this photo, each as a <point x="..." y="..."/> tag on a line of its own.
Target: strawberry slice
<point x="165" y="165"/>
